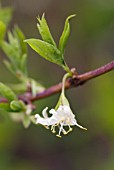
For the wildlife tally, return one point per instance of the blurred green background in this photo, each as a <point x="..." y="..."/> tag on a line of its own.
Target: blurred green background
<point x="91" y="45"/>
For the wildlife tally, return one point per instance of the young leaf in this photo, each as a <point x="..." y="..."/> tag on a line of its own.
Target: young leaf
<point x="5" y="107"/>
<point x="22" y="48"/>
<point x="6" y="92"/>
<point x="26" y="121"/>
<point x="36" y="87"/>
<point x="20" y="36"/>
<point x="23" y="64"/>
<point x="44" y="31"/>
<point x="6" y="14"/>
<point x="17" y="106"/>
<point x="12" y="54"/>
<point x="2" y="31"/>
<point x="46" y="50"/>
<point x="65" y="34"/>
<point x="16" y="51"/>
<point x="9" y="66"/>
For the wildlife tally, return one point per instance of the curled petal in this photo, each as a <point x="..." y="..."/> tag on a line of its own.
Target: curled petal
<point x="44" y="113"/>
<point x="52" y="111"/>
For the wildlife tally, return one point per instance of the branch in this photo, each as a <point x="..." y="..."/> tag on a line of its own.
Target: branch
<point x="71" y="82"/>
<point x="74" y="82"/>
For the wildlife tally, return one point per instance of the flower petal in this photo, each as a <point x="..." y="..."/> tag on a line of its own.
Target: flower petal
<point x="44" y="113"/>
<point x="81" y="126"/>
<point x="52" y="111"/>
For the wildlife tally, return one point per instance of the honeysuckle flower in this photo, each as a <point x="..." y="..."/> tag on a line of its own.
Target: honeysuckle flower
<point x="62" y="117"/>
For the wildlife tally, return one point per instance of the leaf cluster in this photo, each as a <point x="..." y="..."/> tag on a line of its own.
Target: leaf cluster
<point x="16" y="52"/>
<point x="47" y="47"/>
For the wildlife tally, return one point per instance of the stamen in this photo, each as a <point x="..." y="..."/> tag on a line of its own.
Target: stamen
<point x="70" y="129"/>
<point x="58" y="136"/>
<point x="64" y="131"/>
<point x="46" y="126"/>
<point x="61" y="128"/>
<point x="53" y="129"/>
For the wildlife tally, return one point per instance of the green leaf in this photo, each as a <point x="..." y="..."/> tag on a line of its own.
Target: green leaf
<point x="16" y="116"/>
<point x="20" y="36"/>
<point x="23" y="64"/>
<point x="19" y="87"/>
<point x="17" y="106"/>
<point x="46" y="50"/>
<point x="33" y="119"/>
<point x="66" y="32"/>
<point x="44" y="31"/>
<point x="36" y="87"/>
<point x="12" y="54"/>
<point x="6" y="92"/>
<point x="6" y="14"/>
<point x="2" y="31"/>
<point x="26" y="121"/>
<point x="16" y="51"/>
<point x="9" y="66"/>
<point x="5" y="107"/>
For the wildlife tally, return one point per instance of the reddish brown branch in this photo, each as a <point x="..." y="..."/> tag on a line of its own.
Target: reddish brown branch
<point x="79" y="80"/>
<point x="71" y="82"/>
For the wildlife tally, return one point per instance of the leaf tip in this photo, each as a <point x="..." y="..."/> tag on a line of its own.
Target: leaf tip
<point x="25" y="40"/>
<point x="71" y="16"/>
<point x="43" y="15"/>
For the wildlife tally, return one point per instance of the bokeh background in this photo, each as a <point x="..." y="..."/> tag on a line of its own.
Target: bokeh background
<point x="91" y="44"/>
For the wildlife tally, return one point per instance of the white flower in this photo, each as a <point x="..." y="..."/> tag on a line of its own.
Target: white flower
<point x="61" y="117"/>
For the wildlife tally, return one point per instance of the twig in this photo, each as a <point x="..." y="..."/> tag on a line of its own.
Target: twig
<point x="79" y="80"/>
<point x="71" y="82"/>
